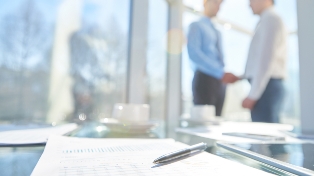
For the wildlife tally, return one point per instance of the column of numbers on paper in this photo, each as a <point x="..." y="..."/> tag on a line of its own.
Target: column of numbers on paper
<point x="110" y="169"/>
<point x="122" y="160"/>
<point x="126" y="169"/>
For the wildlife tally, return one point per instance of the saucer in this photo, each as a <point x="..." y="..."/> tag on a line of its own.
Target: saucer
<point x="129" y="127"/>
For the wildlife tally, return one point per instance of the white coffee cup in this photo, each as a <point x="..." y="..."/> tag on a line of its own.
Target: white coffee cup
<point x="134" y="113"/>
<point x="203" y="112"/>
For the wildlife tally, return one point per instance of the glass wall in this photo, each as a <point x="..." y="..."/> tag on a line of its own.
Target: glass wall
<point x="237" y="23"/>
<point x="156" y="67"/>
<point x="62" y="59"/>
<point x="187" y="72"/>
<point x="236" y="45"/>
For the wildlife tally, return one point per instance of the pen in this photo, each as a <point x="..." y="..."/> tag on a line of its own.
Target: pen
<point x="181" y="153"/>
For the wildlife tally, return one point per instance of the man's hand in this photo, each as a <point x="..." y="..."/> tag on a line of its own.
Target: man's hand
<point x="229" y="78"/>
<point x="248" y="103"/>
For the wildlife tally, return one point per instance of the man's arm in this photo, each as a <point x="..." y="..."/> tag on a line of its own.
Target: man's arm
<point x="264" y="66"/>
<point x="260" y="79"/>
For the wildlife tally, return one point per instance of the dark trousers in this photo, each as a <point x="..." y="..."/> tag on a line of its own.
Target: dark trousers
<point x="208" y="90"/>
<point x="268" y="107"/>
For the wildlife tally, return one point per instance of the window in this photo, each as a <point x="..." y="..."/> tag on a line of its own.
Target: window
<point x="236" y="23"/>
<point x="63" y="59"/>
<point x="236" y="45"/>
<point x="291" y="113"/>
<point x="187" y="73"/>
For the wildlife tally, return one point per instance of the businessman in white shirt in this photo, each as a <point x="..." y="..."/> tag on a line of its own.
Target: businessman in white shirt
<point x="266" y="64"/>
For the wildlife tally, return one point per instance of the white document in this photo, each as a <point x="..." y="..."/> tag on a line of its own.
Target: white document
<point x="66" y="156"/>
<point x="33" y="136"/>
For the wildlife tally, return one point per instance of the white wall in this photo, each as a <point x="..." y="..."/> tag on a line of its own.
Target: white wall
<point x="306" y="45"/>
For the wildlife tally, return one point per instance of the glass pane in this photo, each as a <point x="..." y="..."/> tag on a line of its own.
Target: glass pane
<point x="194" y="4"/>
<point x="62" y="59"/>
<point x="239" y="13"/>
<point x="291" y="112"/>
<point x="236" y="45"/>
<point x="187" y="72"/>
<point x="157" y="60"/>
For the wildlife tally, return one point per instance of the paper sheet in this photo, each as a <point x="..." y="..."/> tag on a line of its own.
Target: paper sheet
<point x="33" y="136"/>
<point x="65" y="156"/>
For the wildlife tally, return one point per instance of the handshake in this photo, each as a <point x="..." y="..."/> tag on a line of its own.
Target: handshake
<point x="229" y="78"/>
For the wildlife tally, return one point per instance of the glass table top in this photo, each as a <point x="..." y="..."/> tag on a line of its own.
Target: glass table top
<point x="20" y="161"/>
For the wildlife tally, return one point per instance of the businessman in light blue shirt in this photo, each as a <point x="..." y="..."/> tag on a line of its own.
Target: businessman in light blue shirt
<point x="205" y="51"/>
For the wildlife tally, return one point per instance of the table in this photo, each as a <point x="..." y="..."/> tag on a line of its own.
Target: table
<point x="20" y="161"/>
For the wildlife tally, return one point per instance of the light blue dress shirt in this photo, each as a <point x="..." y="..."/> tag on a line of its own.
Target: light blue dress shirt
<point x="205" y="48"/>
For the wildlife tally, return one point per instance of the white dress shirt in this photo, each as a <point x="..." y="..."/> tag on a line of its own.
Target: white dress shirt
<point x="268" y="53"/>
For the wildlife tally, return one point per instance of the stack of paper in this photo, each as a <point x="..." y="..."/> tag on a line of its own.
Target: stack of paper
<point x="65" y="156"/>
<point x="33" y="136"/>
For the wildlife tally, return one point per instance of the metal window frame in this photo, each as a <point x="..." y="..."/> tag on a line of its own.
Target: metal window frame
<point x="173" y="95"/>
<point x="136" y="72"/>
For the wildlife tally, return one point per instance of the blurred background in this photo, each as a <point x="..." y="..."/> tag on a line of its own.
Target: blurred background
<point x="69" y="60"/>
<point x="237" y="24"/>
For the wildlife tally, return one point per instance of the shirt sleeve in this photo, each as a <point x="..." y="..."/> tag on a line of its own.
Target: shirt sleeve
<point x="270" y="30"/>
<point x="200" y="59"/>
